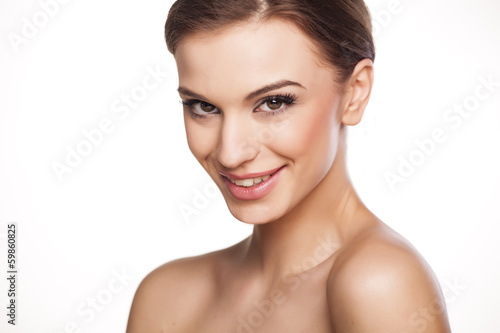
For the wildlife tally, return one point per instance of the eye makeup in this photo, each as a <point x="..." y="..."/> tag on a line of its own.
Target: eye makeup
<point x="283" y="100"/>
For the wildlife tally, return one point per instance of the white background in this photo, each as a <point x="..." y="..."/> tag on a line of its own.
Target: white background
<point x="118" y="211"/>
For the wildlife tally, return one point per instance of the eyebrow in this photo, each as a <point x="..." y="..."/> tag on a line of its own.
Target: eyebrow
<point x="260" y="91"/>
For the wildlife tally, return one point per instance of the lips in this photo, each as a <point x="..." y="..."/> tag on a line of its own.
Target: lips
<point x="249" y="182"/>
<point x="252" y="186"/>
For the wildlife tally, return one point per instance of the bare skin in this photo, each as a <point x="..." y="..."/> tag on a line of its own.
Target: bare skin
<point x="318" y="260"/>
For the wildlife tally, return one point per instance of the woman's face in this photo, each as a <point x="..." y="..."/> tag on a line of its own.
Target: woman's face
<point x="261" y="115"/>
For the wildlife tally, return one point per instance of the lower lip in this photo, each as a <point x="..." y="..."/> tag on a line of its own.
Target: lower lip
<point x="254" y="192"/>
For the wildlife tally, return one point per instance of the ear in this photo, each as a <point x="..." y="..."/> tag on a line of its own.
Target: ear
<point x="357" y="90"/>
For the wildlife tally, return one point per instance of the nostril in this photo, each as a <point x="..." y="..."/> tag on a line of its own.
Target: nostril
<point x="233" y="154"/>
<point x="237" y="140"/>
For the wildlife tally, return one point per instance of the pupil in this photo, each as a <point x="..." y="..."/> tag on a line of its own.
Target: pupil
<point x="273" y="104"/>
<point x="207" y="107"/>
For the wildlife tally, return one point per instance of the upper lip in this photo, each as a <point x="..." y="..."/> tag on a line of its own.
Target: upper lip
<point x="248" y="175"/>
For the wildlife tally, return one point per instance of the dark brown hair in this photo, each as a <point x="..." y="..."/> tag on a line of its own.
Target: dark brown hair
<point x="340" y="29"/>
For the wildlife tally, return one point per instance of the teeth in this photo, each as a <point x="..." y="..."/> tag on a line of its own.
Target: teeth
<point x="249" y="182"/>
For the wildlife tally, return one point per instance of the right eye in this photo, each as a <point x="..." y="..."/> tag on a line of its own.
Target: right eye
<point x="205" y="107"/>
<point x="199" y="108"/>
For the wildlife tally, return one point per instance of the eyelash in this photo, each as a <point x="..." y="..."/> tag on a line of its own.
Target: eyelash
<point x="287" y="99"/>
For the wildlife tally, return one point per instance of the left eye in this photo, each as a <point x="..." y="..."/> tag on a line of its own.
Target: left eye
<point x="273" y="104"/>
<point x="278" y="103"/>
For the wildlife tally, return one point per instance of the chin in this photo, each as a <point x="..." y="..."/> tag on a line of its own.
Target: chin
<point x="253" y="219"/>
<point x="254" y="213"/>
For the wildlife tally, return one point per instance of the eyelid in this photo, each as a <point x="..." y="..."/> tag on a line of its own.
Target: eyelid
<point x="287" y="98"/>
<point x="193" y="101"/>
<point x="259" y="102"/>
<point x="190" y="103"/>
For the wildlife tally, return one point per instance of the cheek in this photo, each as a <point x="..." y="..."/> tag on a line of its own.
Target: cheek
<point x="311" y="132"/>
<point x="201" y="140"/>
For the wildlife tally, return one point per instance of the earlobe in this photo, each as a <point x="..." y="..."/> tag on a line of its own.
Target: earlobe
<point x="358" y="89"/>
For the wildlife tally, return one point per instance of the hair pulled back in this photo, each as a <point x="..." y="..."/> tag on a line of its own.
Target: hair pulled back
<point x="340" y="30"/>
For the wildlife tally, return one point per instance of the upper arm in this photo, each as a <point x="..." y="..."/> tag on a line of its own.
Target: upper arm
<point x="143" y="315"/>
<point x="385" y="287"/>
<point x="160" y="300"/>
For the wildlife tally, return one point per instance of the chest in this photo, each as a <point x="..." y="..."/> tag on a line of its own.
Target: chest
<point x="297" y="305"/>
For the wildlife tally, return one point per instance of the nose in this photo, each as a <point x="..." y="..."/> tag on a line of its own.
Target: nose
<point x="237" y="143"/>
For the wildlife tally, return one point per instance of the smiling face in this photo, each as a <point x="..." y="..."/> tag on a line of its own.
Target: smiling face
<point x="261" y="115"/>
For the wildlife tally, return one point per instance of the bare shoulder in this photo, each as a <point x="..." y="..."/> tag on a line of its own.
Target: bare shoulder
<point x="380" y="283"/>
<point x="172" y="294"/>
<point x="163" y="296"/>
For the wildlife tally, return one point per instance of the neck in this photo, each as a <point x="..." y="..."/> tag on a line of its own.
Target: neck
<point x="313" y="231"/>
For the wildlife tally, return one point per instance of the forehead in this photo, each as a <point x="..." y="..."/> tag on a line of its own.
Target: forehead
<point x="240" y="58"/>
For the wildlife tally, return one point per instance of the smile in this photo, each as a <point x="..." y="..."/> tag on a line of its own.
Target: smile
<point x="249" y="182"/>
<point x="252" y="186"/>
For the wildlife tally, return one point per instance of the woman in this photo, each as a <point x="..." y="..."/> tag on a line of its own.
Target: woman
<point x="268" y="88"/>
